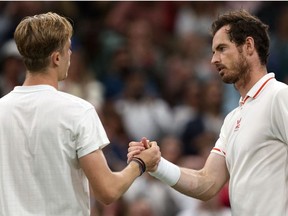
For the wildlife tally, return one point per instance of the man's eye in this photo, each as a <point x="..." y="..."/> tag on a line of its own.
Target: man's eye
<point x="221" y="49"/>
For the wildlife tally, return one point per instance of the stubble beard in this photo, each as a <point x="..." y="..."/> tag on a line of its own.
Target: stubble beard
<point x="239" y="73"/>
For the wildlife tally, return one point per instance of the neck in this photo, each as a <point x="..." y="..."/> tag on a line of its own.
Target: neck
<point x="245" y="84"/>
<point x="40" y="78"/>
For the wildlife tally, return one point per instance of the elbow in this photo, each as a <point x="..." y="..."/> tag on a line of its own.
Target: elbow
<point x="205" y="198"/>
<point x="208" y="195"/>
<point x="106" y="200"/>
<point x="108" y="197"/>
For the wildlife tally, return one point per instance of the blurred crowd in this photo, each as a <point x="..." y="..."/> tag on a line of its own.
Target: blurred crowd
<point x="145" y="66"/>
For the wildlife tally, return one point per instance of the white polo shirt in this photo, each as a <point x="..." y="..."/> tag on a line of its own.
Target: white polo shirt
<point x="254" y="142"/>
<point x="43" y="132"/>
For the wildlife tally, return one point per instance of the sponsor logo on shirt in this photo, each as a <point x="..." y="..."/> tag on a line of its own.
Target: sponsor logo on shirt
<point x="238" y="122"/>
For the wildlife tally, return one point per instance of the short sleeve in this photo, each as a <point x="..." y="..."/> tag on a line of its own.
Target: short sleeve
<point x="220" y="145"/>
<point x="90" y="134"/>
<point x="279" y="115"/>
<point x="219" y="148"/>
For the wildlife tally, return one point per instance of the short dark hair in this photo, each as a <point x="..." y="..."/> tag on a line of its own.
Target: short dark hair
<point x="242" y="25"/>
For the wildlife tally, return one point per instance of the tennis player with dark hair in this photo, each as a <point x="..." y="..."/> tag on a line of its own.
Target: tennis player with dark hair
<point x="252" y="149"/>
<point x="50" y="141"/>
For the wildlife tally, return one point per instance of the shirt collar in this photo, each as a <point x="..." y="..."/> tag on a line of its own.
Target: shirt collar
<point x="33" y="88"/>
<point x="257" y="88"/>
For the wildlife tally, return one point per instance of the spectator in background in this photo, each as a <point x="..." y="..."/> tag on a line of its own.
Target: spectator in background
<point x="195" y="17"/>
<point x="140" y="206"/>
<point x="176" y="73"/>
<point x="142" y="49"/>
<point x="12" y="67"/>
<point x="12" y="12"/>
<point x="113" y="79"/>
<point x="117" y="150"/>
<point x="188" y="106"/>
<point x="278" y="60"/>
<point x="81" y="81"/>
<point x="209" y="118"/>
<point x="171" y="148"/>
<point x="143" y="114"/>
<point x="152" y="192"/>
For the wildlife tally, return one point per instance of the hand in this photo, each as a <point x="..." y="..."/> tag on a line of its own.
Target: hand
<point x="150" y="156"/>
<point x="145" y="142"/>
<point x="135" y="148"/>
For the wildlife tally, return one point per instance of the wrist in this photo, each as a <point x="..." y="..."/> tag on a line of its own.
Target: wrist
<point x="167" y="172"/>
<point x="140" y="163"/>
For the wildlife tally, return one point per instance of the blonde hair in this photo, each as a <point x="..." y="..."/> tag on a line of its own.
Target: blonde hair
<point x="40" y="35"/>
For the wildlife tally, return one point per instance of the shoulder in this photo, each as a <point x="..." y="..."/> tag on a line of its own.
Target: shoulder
<point x="281" y="93"/>
<point x="73" y="107"/>
<point x="278" y="90"/>
<point x="74" y="101"/>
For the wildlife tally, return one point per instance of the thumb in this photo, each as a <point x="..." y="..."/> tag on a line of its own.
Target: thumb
<point x="153" y="144"/>
<point x="145" y="142"/>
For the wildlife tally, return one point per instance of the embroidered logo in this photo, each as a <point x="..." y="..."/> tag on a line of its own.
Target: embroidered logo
<point x="237" y="124"/>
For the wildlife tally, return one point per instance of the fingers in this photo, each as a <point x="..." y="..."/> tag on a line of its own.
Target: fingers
<point x="135" y="148"/>
<point x="151" y="156"/>
<point x="133" y="144"/>
<point x="132" y="154"/>
<point x="145" y="142"/>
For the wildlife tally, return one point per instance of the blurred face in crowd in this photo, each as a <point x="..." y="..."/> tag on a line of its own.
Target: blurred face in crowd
<point x="229" y="59"/>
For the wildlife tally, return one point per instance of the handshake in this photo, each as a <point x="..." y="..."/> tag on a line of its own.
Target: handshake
<point x="148" y="156"/>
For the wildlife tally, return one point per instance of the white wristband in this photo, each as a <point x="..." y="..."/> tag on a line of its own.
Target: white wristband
<point x="167" y="172"/>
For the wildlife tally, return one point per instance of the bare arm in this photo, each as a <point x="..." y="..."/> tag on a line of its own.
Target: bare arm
<point x="205" y="183"/>
<point x="201" y="184"/>
<point x="108" y="186"/>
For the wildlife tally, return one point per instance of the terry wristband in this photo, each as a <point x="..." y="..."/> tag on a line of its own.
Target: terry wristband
<point x="167" y="172"/>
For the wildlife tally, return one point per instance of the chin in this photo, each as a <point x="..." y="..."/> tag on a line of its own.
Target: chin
<point x="227" y="80"/>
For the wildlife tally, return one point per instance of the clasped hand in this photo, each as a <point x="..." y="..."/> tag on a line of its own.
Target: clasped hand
<point x="149" y="152"/>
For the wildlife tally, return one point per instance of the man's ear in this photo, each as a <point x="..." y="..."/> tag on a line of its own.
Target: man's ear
<point x="55" y="58"/>
<point x="250" y="45"/>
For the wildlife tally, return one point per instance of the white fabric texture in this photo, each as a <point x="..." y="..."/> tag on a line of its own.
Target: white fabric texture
<point x="44" y="134"/>
<point x="167" y="172"/>
<point x="253" y="140"/>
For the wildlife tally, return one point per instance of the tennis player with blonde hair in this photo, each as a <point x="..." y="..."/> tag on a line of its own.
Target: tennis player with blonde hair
<point x="50" y="141"/>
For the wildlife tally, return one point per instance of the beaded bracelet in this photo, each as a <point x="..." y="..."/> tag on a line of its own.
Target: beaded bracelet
<point x="141" y="163"/>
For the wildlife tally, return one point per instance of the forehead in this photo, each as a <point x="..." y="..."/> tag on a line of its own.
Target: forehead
<point x="221" y="37"/>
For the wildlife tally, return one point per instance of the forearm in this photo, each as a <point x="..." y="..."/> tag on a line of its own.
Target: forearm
<point x="107" y="186"/>
<point x="202" y="184"/>
<point x="117" y="183"/>
<point x="197" y="184"/>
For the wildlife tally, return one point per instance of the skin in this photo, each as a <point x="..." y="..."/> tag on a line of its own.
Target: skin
<point x="107" y="186"/>
<point x="238" y="65"/>
<point x="102" y="178"/>
<point x="55" y="72"/>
